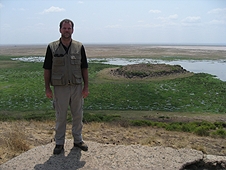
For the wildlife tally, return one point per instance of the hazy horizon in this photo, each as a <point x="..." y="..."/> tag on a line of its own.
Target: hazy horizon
<point x="150" y="44"/>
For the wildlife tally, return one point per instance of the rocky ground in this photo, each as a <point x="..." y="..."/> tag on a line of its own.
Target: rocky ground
<point x="105" y="157"/>
<point x="30" y="134"/>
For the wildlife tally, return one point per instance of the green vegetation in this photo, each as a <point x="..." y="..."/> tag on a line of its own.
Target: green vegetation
<point x="199" y="93"/>
<point x="199" y="128"/>
<point x="23" y="97"/>
<point x="98" y="117"/>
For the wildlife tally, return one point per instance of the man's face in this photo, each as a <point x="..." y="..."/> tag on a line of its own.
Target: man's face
<point x="66" y="30"/>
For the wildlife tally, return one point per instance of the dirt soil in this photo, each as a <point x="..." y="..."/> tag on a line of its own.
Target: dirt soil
<point x="29" y="134"/>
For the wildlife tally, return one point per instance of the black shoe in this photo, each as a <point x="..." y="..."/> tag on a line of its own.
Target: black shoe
<point x="81" y="145"/>
<point x="58" y="149"/>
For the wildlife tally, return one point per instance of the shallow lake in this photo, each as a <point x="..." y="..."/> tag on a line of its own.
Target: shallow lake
<point x="213" y="67"/>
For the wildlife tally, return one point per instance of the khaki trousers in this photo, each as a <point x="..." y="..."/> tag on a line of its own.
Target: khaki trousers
<point x="65" y="96"/>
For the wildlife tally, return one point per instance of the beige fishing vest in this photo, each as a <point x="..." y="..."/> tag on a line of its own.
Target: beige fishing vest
<point x="66" y="68"/>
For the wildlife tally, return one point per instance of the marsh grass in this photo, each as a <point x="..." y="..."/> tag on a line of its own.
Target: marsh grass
<point x="199" y="128"/>
<point x="100" y="117"/>
<point x="22" y="89"/>
<point x="219" y="133"/>
<point x="16" y="141"/>
<point x="23" y="97"/>
<point x="13" y="143"/>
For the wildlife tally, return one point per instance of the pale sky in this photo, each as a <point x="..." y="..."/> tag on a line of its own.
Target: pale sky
<point x="115" y="21"/>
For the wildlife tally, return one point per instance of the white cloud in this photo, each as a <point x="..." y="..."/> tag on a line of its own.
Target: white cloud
<point x="80" y="2"/>
<point x="53" y="9"/>
<point x="154" y="11"/>
<point x="217" y="22"/>
<point x="1" y="5"/>
<point x="175" y="16"/>
<point x="5" y="26"/>
<point x="192" y="19"/>
<point x="217" y="11"/>
<point x="140" y="21"/>
<point x="170" y="17"/>
<point x="21" y="9"/>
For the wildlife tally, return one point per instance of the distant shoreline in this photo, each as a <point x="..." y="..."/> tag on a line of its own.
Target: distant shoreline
<point x="127" y="50"/>
<point x="119" y="44"/>
<point x="173" y="46"/>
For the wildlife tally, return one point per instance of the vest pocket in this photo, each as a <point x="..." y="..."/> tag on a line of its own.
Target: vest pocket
<point x="76" y="79"/>
<point x="59" y="61"/>
<point x="58" y="80"/>
<point x="75" y="61"/>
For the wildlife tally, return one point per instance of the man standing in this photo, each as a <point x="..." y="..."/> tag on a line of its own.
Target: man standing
<point x="66" y="69"/>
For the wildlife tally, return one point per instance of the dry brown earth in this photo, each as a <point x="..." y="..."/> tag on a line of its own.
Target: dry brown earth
<point x="29" y="134"/>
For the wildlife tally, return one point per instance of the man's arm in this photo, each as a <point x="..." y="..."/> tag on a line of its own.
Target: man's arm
<point x="47" y="65"/>
<point x="85" y="91"/>
<point x="47" y="77"/>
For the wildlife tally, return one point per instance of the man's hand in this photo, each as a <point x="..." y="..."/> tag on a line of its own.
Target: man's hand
<point x="85" y="92"/>
<point x="47" y="75"/>
<point x="49" y="93"/>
